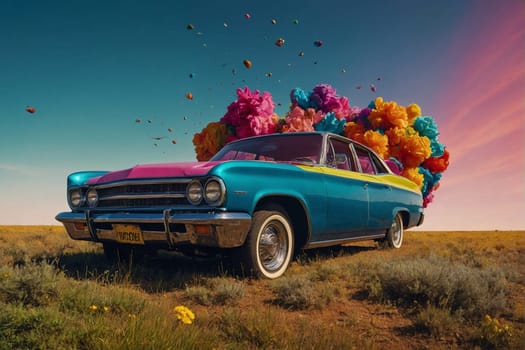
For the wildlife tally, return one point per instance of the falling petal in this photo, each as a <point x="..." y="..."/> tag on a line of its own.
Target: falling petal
<point x="373" y="88"/>
<point x="190" y="27"/>
<point x="378" y="78"/>
<point x="170" y="129"/>
<point x="192" y="75"/>
<point x="149" y="121"/>
<point x="30" y="109"/>
<point x="247" y="63"/>
<point x="301" y="53"/>
<point x="158" y="138"/>
<point x="295" y="21"/>
<point x="279" y="42"/>
<point x="248" y="16"/>
<point x="189" y="96"/>
<point x="174" y="141"/>
<point x="318" y="43"/>
<point x="359" y="87"/>
<point x="185" y="118"/>
<point x="225" y="25"/>
<point x="269" y="74"/>
<point x="343" y="70"/>
<point x="138" y="121"/>
<point x="274" y="21"/>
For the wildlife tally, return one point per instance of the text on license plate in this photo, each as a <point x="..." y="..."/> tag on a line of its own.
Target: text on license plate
<point x="129" y="234"/>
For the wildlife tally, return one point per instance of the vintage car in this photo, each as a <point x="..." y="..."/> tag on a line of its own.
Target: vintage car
<point x="262" y="198"/>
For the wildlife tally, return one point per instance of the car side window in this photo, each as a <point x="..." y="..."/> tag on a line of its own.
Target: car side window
<point x="379" y="165"/>
<point x="340" y="155"/>
<point x="365" y="160"/>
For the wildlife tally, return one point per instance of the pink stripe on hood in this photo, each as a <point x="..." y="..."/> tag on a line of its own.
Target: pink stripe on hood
<point x="156" y="171"/>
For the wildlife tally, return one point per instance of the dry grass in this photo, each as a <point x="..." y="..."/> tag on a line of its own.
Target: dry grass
<point x="337" y="292"/>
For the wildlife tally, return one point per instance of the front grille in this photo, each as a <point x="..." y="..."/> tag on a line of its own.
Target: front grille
<point x="142" y="194"/>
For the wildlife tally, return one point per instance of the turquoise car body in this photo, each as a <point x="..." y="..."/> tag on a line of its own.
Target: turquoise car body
<point x="327" y="204"/>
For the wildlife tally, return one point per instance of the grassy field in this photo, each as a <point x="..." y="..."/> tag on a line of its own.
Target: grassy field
<point x="441" y="290"/>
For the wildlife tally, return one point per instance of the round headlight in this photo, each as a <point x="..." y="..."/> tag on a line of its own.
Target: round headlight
<point x="92" y="197"/>
<point x="214" y="192"/>
<point x="75" y="197"/>
<point x="194" y="192"/>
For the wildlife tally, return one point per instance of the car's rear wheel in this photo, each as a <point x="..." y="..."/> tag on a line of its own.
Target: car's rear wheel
<point x="268" y="249"/>
<point x="123" y="253"/>
<point x="394" y="236"/>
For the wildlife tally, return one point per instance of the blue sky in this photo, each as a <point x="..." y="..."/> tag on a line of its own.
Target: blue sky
<point x="91" y="68"/>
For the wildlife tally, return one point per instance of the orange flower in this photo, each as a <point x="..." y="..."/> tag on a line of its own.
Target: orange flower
<point x="209" y="141"/>
<point x="354" y="131"/>
<point x="396" y="114"/>
<point x="388" y="114"/>
<point x="414" y="150"/>
<point x="377" y="141"/>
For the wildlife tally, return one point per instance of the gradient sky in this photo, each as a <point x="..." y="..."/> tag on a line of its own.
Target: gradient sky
<point x="91" y="68"/>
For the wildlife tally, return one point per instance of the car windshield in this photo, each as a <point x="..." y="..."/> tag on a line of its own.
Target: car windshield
<point x="280" y="148"/>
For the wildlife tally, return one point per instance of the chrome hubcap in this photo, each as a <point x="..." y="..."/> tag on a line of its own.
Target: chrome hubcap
<point x="396" y="231"/>
<point x="273" y="246"/>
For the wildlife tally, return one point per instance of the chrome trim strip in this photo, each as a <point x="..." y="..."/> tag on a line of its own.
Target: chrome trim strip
<point x="148" y="195"/>
<point x="332" y="242"/>
<point x="151" y="218"/>
<point x="142" y="182"/>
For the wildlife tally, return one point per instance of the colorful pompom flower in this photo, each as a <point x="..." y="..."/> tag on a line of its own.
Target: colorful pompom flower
<point x="407" y="140"/>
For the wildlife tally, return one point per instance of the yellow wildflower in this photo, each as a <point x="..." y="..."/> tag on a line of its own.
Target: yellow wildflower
<point x="93" y="307"/>
<point x="184" y="314"/>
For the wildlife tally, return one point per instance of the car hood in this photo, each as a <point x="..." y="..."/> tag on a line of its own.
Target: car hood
<point x="156" y="171"/>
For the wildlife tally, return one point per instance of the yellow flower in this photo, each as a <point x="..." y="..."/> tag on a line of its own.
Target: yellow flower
<point x="413" y="175"/>
<point x="106" y="308"/>
<point x="413" y="111"/>
<point x="184" y="314"/>
<point x="93" y="307"/>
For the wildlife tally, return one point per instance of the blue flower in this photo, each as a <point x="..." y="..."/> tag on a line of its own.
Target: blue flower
<point x="426" y="126"/>
<point x="301" y="98"/>
<point x="331" y="124"/>
<point x="429" y="180"/>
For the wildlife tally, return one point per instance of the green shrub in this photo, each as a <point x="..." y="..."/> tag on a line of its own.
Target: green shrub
<point x="29" y="284"/>
<point x="436" y="281"/>
<point x="294" y="292"/>
<point x="29" y="328"/>
<point x="435" y="321"/>
<point x="220" y="291"/>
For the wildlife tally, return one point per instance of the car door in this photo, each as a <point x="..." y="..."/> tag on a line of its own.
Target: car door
<point x="380" y="193"/>
<point x="346" y="193"/>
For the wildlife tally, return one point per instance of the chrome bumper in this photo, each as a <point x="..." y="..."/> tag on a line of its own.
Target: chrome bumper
<point x="168" y="229"/>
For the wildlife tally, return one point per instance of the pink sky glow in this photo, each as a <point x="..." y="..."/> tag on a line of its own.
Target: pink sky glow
<point x="484" y="126"/>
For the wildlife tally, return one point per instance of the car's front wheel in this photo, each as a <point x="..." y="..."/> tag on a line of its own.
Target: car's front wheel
<point x="394" y="236"/>
<point x="268" y="249"/>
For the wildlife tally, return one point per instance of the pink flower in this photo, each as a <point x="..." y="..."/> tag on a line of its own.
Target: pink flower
<point x="251" y="114"/>
<point x="300" y="120"/>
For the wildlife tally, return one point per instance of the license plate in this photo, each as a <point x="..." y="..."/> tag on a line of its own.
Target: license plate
<point x="128" y="234"/>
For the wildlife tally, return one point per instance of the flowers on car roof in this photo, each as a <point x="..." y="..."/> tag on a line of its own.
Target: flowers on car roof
<point x="399" y="133"/>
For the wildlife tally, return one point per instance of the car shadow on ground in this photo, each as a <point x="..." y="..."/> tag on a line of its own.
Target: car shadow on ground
<point x="168" y="271"/>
